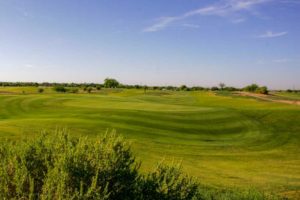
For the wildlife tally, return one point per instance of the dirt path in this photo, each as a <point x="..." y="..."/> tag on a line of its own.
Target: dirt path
<point x="268" y="98"/>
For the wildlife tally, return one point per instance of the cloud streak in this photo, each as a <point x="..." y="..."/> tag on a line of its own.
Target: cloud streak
<point x="194" y="26"/>
<point x="270" y="34"/>
<point x="282" y="60"/>
<point x="224" y="8"/>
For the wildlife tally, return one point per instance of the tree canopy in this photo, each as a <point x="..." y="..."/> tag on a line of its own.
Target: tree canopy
<point x="111" y="83"/>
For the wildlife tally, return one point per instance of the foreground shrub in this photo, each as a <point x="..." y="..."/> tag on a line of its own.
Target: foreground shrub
<point x="57" y="166"/>
<point x="61" y="167"/>
<point x="168" y="183"/>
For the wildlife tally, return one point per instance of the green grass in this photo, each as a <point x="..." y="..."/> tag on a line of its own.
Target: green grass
<point x="224" y="140"/>
<point x="288" y="95"/>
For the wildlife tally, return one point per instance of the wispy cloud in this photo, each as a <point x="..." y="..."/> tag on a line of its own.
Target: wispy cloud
<point x="224" y="8"/>
<point x="282" y="60"/>
<point x="191" y="25"/>
<point x="270" y="34"/>
<point x="162" y="23"/>
<point x="290" y="1"/>
<point x="29" y="66"/>
<point x="238" y="20"/>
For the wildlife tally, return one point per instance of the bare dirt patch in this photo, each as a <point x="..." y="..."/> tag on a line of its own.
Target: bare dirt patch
<point x="268" y="98"/>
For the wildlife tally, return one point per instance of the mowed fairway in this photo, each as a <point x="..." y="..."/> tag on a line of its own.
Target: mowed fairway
<point x="224" y="140"/>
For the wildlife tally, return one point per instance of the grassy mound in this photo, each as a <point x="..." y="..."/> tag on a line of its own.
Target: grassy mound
<point x="224" y="140"/>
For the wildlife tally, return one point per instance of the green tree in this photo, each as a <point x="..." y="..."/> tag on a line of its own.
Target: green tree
<point x="214" y="88"/>
<point x="89" y="89"/>
<point x="60" y="89"/>
<point x="222" y="86"/>
<point x="111" y="83"/>
<point x="183" y="87"/>
<point x="251" y="88"/>
<point x="98" y="87"/>
<point x="262" y="90"/>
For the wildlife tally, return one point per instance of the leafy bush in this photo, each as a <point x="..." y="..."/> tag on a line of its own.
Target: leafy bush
<point x="74" y="90"/>
<point x="57" y="166"/>
<point x="40" y="90"/>
<point x="183" y="87"/>
<point x="60" y="89"/>
<point x="262" y="90"/>
<point x="89" y="89"/>
<point x="255" y="88"/>
<point x="168" y="183"/>
<point x="60" y="167"/>
<point x="251" y="88"/>
<point x="214" y="88"/>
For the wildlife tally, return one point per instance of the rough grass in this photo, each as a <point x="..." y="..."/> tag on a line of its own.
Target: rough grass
<point x="223" y="140"/>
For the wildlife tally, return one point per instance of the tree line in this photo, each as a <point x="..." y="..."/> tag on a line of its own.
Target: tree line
<point x="113" y="83"/>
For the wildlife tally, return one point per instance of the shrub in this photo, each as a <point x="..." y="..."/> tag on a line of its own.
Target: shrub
<point x="231" y="89"/>
<point x="74" y="90"/>
<point x="60" y="167"/>
<point x="57" y="166"/>
<point x="214" y="88"/>
<point x="89" y="89"/>
<point x="40" y="90"/>
<point x="168" y="183"/>
<point x="255" y="88"/>
<point x="60" y="89"/>
<point x="262" y="90"/>
<point x="251" y="88"/>
<point x="183" y="87"/>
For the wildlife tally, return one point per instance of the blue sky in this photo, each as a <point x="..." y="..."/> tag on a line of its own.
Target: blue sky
<point x="157" y="42"/>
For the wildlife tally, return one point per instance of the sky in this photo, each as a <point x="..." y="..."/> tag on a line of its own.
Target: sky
<point x="157" y="42"/>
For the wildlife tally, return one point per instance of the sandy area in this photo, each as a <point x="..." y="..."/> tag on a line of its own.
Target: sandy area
<point x="267" y="98"/>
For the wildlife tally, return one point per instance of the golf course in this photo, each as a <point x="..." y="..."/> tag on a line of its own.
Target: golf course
<point x="222" y="139"/>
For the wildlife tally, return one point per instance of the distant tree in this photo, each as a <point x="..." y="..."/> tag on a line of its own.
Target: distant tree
<point x="98" y="87"/>
<point x="137" y="86"/>
<point x="251" y="88"/>
<point x="145" y="89"/>
<point x="262" y="90"/>
<point x="169" y="87"/>
<point x="183" y="87"/>
<point x="214" y="88"/>
<point x="231" y="89"/>
<point x="60" y="88"/>
<point x="197" y="88"/>
<point x="40" y="90"/>
<point x="89" y="89"/>
<point x="222" y="86"/>
<point x="111" y="83"/>
<point x="256" y="88"/>
<point x="74" y="90"/>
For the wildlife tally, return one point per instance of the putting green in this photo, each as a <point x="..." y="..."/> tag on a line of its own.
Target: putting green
<point x="224" y="140"/>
